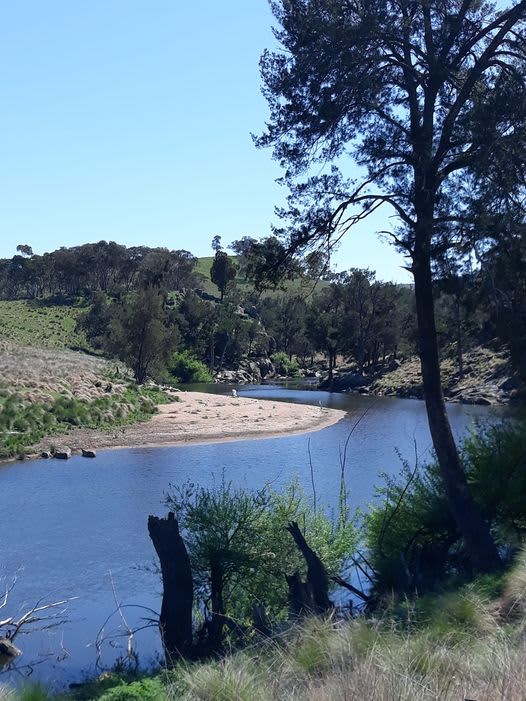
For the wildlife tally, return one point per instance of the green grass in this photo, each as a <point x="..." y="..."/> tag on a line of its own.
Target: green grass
<point x="23" y="423"/>
<point x="27" y="323"/>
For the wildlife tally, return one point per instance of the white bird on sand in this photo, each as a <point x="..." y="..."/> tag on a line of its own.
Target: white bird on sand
<point x="234" y="393"/>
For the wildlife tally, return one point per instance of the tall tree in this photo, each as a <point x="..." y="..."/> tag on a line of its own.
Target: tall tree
<point x="424" y="94"/>
<point x="222" y="271"/>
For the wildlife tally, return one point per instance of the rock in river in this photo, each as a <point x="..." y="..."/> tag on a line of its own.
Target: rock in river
<point x="88" y="453"/>
<point x="62" y="453"/>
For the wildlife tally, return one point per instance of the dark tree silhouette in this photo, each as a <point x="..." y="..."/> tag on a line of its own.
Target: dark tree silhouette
<point x="223" y="271"/>
<point x="428" y="96"/>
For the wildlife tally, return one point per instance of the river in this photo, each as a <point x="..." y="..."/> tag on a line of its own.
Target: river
<point x="78" y="528"/>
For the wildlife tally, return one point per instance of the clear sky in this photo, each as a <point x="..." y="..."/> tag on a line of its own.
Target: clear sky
<point x="130" y="120"/>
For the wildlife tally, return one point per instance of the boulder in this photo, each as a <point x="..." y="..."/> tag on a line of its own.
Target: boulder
<point x="88" y="453"/>
<point x="266" y="367"/>
<point x="62" y="453"/>
<point x="345" y="383"/>
<point x="45" y="454"/>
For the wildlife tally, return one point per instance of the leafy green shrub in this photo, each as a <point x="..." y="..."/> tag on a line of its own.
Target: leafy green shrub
<point x="285" y="366"/>
<point x="410" y="533"/>
<point x="143" y="690"/>
<point x="243" y="534"/>
<point x="184" y="367"/>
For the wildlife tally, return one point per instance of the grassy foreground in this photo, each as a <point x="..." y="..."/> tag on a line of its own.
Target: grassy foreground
<point x="470" y="644"/>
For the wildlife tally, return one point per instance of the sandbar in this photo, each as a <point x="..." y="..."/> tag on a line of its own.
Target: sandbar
<point x="197" y="417"/>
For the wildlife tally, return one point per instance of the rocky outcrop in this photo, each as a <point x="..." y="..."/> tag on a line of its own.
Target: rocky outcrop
<point x="249" y="372"/>
<point x="488" y="379"/>
<point x="345" y="382"/>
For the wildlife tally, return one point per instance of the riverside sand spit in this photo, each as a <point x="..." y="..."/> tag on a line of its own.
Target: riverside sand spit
<point x="205" y="418"/>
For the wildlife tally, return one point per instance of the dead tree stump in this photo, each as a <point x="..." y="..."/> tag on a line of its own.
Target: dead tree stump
<point x="175" y="622"/>
<point x="317" y="586"/>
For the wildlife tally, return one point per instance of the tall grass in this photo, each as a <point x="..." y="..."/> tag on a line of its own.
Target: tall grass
<point x="23" y="423"/>
<point x="328" y="661"/>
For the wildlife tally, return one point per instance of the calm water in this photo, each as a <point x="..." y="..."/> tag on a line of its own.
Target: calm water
<point x="78" y="528"/>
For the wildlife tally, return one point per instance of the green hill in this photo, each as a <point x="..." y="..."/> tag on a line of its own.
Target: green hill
<point x="298" y="286"/>
<point x="42" y="325"/>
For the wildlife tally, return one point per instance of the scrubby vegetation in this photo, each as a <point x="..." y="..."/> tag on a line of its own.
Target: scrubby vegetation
<point x="24" y="423"/>
<point x="463" y="644"/>
<point x="411" y="535"/>
<point x="183" y="367"/>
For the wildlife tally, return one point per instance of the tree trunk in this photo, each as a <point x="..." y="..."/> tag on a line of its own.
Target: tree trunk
<point x="458" y="319"/>
<point x="211" y="360"/>
<point x="317" y="581"/>
<point x="175" y="622"/>
<point x="479" y="544"/>
<point x="330" y="376"/>
<point x="215" y="628"/>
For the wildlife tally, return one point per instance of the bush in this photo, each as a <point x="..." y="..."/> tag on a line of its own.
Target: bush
<point x="285" y="366"/>
<point x="143" y="690"/>
<point x="183" y="367"/>
<point x="411" y="535"/>
<point x="243" y="533"/>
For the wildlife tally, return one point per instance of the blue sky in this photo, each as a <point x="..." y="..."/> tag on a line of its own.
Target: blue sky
<point x="130" y="120"/>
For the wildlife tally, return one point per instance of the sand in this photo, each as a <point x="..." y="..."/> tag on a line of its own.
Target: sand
<point x="206" y="418"/>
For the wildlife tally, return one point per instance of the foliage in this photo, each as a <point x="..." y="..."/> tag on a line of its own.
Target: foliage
<point x="222" y="271"/>
<point x="413" y="540"/>
<point x="185" y="368"/>
<point x="432" y="112"/>
<point x="147" y="689"/>
<point x="242" y="535"/>
<point x="23" y="423"/>
<point x="139" y="329"/>
<point x="283" y="364"/>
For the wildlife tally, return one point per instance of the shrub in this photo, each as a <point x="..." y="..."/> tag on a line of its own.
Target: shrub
<point x="285" y="366"/>
<point x="183" y="367"/>
<point x="143" y="690"/>
<point x="243" y="533"/>
<point x="411" y="535"/>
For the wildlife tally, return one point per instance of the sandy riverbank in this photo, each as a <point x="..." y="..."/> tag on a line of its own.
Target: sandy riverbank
<point x="205" y="418"/>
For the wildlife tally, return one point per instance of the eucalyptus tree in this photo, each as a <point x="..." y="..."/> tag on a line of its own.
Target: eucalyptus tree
<point x="423" y="95"/>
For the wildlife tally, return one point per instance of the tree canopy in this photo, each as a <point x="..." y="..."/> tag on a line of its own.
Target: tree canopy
<point x="428" y="98"/>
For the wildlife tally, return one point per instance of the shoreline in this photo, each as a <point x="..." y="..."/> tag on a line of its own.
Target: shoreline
<point x="198" y="418"/>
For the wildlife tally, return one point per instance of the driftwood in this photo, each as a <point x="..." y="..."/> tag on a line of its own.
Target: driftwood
<point x="175" y="621"/>
<point x="313" y="595"/>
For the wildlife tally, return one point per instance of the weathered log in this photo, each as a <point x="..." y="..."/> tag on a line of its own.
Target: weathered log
<point x="317" y="580"/>
<point x="175" y="622"/>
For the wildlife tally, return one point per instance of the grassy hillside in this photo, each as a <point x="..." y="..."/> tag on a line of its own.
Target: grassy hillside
<point x="294" y="287"/>
<point x="38" y="324"/>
